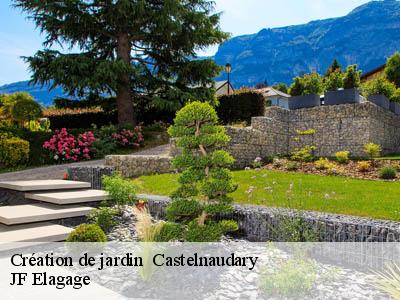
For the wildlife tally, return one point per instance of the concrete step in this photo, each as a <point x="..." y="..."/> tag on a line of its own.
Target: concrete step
<point x="69" y="197"/>
<point x="37" y="232"/>
<point x="29" y="213"/>
<point x="43" y="185"/>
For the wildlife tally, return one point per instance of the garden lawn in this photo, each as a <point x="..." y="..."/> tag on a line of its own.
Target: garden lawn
<point x="341" y="195"/>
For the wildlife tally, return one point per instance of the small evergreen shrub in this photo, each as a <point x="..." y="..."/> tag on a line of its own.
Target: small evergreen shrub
<point x="372" y="150"/>
<point x="342" y="157"/>
<point x="87" y="233"/>
<point x="169" y="232"/>
<point x="240" y="106"/>
<point x="379" y="86"/>
<point x="182" y="210"/>
<point x="387" y="173"/>
<point x="104" y="217"/>
<point x="392" y="69"/>
<point x="13" y="151"/>
<point x="363" y="166"/>
<point x="351" y="78"/>
<point x="26" y="109"/>
<point x="334" y="81"/>
<point x="323" y="164"/>
<point x="121" y="191"/>
<point x="308" y="84"/>
<point x="292" y="166"/>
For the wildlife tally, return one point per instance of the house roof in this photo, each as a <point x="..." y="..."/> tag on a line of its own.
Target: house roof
<point x="376" y="70"/>
<point x="270" y="92"/>
<point x="220" y="84"/>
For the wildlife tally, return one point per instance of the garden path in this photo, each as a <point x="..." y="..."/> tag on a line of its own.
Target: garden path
<point x="58" y="171"/>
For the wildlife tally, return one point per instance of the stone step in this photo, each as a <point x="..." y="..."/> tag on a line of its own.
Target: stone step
<point x="69" y="197"/>
<point x="29" y="213"/>
<point x="43" y="185"/>
<point x="37" y="232"/>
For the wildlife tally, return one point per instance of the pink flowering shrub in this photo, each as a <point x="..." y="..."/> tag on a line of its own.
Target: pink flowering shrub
<point x="65" y="147"/>
<point x="129" y="138"/>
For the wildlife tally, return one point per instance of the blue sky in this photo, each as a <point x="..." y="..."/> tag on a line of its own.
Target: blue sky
<point x="18" y="36"/>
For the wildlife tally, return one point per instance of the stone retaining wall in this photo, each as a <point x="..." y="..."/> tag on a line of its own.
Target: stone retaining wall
<point x="91" y="174"/>
<point x="260" y="223"/>
<point x="338" y="127"/>
<point x="138" y="165"/>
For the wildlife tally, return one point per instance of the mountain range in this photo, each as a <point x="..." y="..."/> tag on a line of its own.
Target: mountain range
<point x="366" y="37"/>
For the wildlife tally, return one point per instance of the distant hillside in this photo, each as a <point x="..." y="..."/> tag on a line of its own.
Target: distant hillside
<point x="42" y="94"/>
<point x="366" y="36"/>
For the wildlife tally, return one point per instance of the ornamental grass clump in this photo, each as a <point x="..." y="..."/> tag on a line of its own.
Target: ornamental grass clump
<point x="205" y="175"/>
<point x="387" y="172"/>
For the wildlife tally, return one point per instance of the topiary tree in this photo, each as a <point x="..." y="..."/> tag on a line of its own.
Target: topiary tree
<point x="25" y="110"/>
<point x="392" y="69"/>
<point x="351" y="78"/>
<point x="205" y="174"/>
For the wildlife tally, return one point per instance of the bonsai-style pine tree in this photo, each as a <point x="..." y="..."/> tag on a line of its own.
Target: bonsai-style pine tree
<point x="205" y="174"/>
<point x="127" y="48"/>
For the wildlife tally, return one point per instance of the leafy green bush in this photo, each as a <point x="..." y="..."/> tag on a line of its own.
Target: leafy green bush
<point x="387" y="173"/>
<point x="351" y="78"/>
<point x="372" y="150"/>
<point x="210" y="232"/>
<point x="294" y="278"/>
<point x="121" y="190"/>
<point x="13" y="150"/>
<point x="308" y="84"/>
<point x="26" y="109"/>
<point x="292" y="166"/>
<point x="323" y="164"/>
<point x="204" y="165"/>
<point x="363" y="166"/>
<point x="342" y="157"/>
<point x="295" y="229"/>
<point x="304" y="154"/>
<point x="334" y="81"/>
<point x="169" y="232"/>
<point x="392" y="69"/>
<point x="240" y="106"/>
<point x="87" y="233"/>
<point x="104" y="217"/>
<point x="396" y="96"/>
<point x="379" y="86"/>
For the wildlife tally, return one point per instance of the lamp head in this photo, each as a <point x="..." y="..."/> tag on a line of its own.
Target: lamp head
<point x="228" y="68"/>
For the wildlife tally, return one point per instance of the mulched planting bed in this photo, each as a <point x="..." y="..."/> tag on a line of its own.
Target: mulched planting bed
<point x="350" y="169"/>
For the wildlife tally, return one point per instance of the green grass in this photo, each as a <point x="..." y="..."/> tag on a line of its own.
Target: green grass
<point x="341" y="195"/>
<point x="390" y="157"/>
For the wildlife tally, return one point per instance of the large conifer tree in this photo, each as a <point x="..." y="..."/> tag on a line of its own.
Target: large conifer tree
<point x="126" y="48"/>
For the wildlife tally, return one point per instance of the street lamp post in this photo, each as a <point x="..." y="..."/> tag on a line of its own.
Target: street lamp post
<point x="228" y="69"/>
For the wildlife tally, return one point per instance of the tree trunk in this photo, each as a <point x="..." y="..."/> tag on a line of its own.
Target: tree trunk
<point x="126" y="114"/>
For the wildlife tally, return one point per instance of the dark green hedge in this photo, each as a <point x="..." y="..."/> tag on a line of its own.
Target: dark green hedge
<point x="108" y="104"/>
<point x="84" y="120"/>
<point x="240" y="106"/>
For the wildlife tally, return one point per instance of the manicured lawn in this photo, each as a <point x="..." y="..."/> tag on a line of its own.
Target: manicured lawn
<point x="390" y="157"/>
<point x="375" y="199"/>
